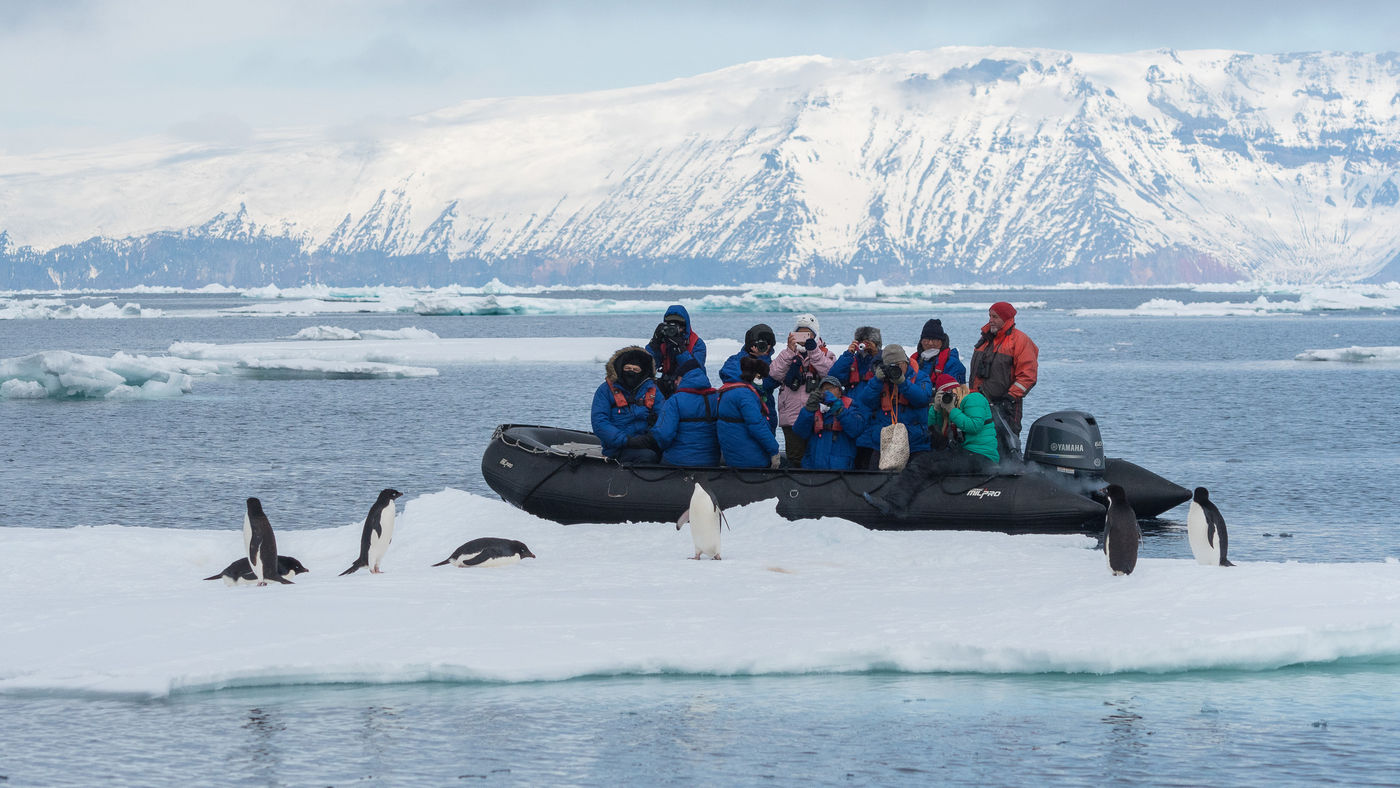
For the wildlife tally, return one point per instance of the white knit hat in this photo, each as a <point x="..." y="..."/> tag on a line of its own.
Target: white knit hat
<point x="808" y="321"/>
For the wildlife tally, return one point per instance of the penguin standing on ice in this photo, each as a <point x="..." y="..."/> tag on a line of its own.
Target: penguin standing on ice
<point x="261" y="544"/>
<point x="705" y="517"/>
<point x="379" y="530"/>
<point x="1121" y="534"/>
<point x="1205" y="530"/>
<point x="488" y="551"/>
<point x="240" y="572"/>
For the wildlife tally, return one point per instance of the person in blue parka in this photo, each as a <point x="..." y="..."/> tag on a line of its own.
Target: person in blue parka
<point x="830" y="423"/>
<point x="858" y="363"/>
<point x="672" y="344"/>
<point x="758" y="343"/>
<point x="626" y="405"/>
<point x="744" y="437"/>
<point x="895" y="393"/>
<point x="685" y="427"/>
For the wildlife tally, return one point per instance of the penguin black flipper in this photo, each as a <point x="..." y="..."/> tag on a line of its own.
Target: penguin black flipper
<point x="1122" y="535"/>
<point x="377" y="533"/>
<point x="262" y="544"/>
<point x="486" y="550"/>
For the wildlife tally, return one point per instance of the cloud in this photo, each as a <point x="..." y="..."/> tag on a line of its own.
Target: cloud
<point x="213" y="127"/>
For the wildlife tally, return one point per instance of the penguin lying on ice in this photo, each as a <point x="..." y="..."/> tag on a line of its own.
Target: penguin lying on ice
<point x="488" y="551"/>
<point x="240" y="572"/>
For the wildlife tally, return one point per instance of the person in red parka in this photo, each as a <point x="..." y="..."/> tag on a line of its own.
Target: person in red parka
<point x="1004" y="368"/>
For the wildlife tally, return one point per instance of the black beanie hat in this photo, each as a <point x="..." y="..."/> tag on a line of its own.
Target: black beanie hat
<point x="760" y="331"/>
<point x="933" y="329"/>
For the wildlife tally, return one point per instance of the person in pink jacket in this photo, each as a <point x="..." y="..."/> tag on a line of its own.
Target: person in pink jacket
<point x="799" y="368"/>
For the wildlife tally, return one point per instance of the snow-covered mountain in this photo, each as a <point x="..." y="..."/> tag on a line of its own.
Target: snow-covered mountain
<point x="954" y="165"/>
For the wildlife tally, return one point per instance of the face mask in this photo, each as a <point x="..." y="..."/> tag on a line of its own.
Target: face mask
<point x="758" y="381"/>
<point x="930" y="353"/>
<point x="631" y="379"/>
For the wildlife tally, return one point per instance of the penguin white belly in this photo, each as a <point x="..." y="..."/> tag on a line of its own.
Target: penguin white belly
<point x="500" y="560"/>
<point x="379" y="542"/>
<point x="255" y="561"/>
<point x="247" y="533"/>
<point x="1206" y="550"/>
<point x="704" y="531"/>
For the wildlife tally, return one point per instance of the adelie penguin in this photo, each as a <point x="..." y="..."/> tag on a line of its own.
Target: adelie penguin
<point x="378" y="532"/>
<point x="705" y="517"/>
<point x="261" y="545"/>
<point x="240" y="572"/>
<point x="1121" y="534"/>
<point x="488" y="551"/>
<point x="1205" y="530"/>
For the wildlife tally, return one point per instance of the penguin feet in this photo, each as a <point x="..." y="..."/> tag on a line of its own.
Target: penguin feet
<point x="695" y="557"/>
<point x="716" y="556"/>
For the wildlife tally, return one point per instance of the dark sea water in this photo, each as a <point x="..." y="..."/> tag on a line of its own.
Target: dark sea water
<point x="1302" y="448"/>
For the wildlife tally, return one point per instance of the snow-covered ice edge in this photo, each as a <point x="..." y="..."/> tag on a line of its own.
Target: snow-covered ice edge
<point x="122" y="610"/>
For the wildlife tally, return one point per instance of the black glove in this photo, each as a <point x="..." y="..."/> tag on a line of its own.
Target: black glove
<point x="814" y="401"/>
<point x="642" y="440"/>
<point x="810" y="345"/>
<point x="658" y="336"/>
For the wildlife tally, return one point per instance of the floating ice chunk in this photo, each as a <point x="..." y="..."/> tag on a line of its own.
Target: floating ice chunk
<point x="22" y="389"/>
<point x="57" y="309"/>
<point x="814" y="596"/>
<point x="65" y="375"/>
<point x="408" y="332"/>
<point x="310" y="368"/>
<point x="325" y="332"/>
<point x="1354" y="354"/>
<point x="456" y="350"/>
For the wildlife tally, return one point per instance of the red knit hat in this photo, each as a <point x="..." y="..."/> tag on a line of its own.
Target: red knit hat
<point x="1004" y="310"/>
<point x="942" y="382"/>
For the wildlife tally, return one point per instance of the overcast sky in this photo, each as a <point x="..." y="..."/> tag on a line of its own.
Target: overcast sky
<point x="82" y="72"/>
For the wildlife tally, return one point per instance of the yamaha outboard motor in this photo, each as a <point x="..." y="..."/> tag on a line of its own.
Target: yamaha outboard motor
<point x="1067" y="441"/>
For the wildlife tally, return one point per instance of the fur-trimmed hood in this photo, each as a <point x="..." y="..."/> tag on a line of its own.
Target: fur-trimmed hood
<point x="634" y="354"/>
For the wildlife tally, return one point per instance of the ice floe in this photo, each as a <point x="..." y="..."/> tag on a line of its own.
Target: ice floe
<point x="456" y="350"/>
<point x="122" y="610"/>
<point x="1320" y="299"/>
<point x="1353" y="355"/>
<point x="57" y="309"/>
<point x="336" y="332"/>
<point x="59" y="374"/>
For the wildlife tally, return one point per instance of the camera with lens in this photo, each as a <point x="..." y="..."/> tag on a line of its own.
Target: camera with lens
<point x="892" y="371"/>
<point x="761" y="346"/>
<point x="946" y="398"/>
<point x="670" y="330"/>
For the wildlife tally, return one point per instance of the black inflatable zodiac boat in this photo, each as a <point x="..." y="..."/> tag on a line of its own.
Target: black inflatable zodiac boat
<point x="561" y="475"/>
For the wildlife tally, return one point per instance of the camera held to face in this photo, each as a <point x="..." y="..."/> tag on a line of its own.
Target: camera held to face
<point x="670" y="330"/>
<point x="946" y="398"/>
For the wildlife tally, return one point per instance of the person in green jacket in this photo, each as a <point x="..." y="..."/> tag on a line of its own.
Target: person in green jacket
<point x="964" y="439"/>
